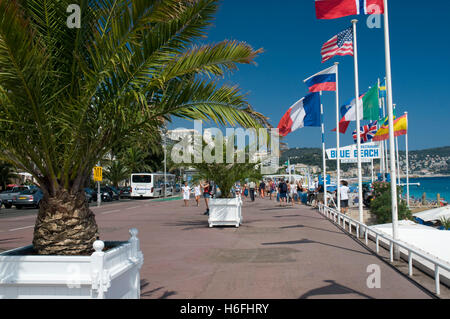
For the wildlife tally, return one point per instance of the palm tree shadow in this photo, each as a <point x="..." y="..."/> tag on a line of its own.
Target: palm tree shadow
<point x="307" y="241"/>
<point x="165" y="295"/>
<point x="333" y="289"/>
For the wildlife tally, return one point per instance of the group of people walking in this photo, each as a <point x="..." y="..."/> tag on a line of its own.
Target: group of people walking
<point x="282" y="191"/>
<point x="202" y="189"/>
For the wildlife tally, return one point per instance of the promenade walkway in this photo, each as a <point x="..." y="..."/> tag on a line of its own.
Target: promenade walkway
<point x="277" y="253"/>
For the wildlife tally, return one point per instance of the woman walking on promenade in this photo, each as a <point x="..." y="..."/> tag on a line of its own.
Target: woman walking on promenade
<point x="197" y="193"/>
<point x="292" y="192"/>
<point x="262" y="189"/>
<point x="272" y="188"/>
<point x="299" y="191"/>
<point x="245" y="190"/>
<point x="206" y="195"/>
<point x="186" y="193"/>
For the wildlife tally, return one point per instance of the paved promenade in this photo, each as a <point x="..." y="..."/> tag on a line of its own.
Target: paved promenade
<point x="277" y="253"/>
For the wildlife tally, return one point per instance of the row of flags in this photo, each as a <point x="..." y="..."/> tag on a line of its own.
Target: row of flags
<point x="334" y="9"/>
<point x="306" y="112"/>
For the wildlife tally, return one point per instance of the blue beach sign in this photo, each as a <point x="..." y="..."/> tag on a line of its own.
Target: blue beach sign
<point x="349" y="154"/>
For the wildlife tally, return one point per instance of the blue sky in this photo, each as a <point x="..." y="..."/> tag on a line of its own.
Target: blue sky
<point x="292" y="37"/>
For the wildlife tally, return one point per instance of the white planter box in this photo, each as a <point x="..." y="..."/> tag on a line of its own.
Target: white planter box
<point x="113" y="274"/>
<point x="225" y="212"/>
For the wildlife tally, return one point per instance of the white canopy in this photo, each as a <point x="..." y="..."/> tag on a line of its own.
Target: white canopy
<point x="434" y="214"/>
<point x="428" y="239"/>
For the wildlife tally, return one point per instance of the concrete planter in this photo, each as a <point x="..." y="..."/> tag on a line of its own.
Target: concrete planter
<point x="113" y="274"/>
<point x="225" y="212"/>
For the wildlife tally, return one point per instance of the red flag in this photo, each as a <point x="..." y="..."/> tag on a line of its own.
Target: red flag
<point x="333" y="9"/>
<point x="343" y="126"/>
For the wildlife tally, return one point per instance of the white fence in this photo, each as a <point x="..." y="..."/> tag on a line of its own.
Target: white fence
<point x="361" y="228"/>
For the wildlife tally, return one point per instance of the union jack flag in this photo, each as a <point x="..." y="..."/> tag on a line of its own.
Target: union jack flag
<point x="367" y="132"/>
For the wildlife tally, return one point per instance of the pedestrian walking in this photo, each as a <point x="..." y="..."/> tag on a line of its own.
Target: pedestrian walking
<point x="206" y="187"/>
<point x="292" y="192"/>
<point x="186" y="193"/>
<point x="272" y="188"/>
<point x="246" y="190"/>
<point x="262" y="189"/>
<point x="344" y="196"/>
<point x="197" y="193"/>
<point x="252" y="187"/>
<point x="282" y="190"/>
<point x="320" y="194"/>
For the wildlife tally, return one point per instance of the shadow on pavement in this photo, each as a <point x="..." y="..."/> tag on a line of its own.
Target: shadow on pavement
<point x="165" y="295"/>
<point x="303" y="226"/>
<point x="190" y="224"/>
<point x="333" y="289"/>
<point x="307" y="241"/>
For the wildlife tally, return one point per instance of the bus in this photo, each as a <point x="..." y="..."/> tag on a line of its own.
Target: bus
<point x="151" y="185"/>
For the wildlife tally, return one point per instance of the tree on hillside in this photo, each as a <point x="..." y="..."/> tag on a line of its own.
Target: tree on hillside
<point x="69" y="96"/>
<point x="7" y="173"/>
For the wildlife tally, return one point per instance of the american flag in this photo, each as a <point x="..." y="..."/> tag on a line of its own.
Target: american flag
<point x="367" y="132"/>
<point x="341" y="44"/>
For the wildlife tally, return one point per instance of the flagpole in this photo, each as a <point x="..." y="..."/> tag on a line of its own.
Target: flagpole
<point x="407" y="160"/>
<point x="391" y="130"/>
<point x="324" y="175"/>
<point x="397" y="156"/>
<point x="358" y="123"/>
<point x="372" y="170"/>
<point x="338" y="154"/>
<point x="382" y="163"/>
<point x="385" y="145"/>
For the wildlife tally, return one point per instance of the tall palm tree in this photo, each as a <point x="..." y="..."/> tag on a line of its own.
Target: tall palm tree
<point x="67" y="96"/>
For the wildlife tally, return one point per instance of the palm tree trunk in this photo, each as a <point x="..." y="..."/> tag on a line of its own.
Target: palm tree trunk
<point x="65" y="225"/>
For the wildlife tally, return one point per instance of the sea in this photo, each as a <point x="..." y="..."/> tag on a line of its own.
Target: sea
<point x="431" y="186"/>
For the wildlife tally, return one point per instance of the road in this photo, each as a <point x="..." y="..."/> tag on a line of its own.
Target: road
<point x="277" y="253"/>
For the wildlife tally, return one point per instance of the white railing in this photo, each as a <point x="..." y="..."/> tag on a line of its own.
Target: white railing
<point x="336" y="217"/>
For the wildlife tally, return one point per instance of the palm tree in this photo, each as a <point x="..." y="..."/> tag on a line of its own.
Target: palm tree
<point x="6" y="174"/>
<point x="116" y="172"/>
<point x="134" y="159"/>
<point x="226" y="174"/>
<point x="68" y="96"/>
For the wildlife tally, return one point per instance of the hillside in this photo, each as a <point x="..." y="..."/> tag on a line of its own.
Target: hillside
<point x="433" y="160"/>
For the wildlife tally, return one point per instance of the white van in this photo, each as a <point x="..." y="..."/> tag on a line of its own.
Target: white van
<point x="151" y="185"/>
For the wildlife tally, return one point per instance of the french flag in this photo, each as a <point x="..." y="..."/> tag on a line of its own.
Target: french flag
<point x="348" y="112"/>
<point x="305" y="112"/>
<point x="333" y="9"/>
<point x="323" y="81"/>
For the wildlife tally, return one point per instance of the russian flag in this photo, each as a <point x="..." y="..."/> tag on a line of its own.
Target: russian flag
<point x="305" y="112"/>
<point x="323" y="81"/>
<point x="333" y="9"/>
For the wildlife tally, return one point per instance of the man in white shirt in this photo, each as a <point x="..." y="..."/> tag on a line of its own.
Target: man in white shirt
<point x="252" y="187"/>
<point x="344" y="196"/>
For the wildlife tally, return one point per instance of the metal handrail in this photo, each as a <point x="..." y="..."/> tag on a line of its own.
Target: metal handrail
<point x="328" y="211"/>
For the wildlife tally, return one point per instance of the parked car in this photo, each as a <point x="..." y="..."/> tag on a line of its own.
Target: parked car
<point x="114" y="192"/>
<point x="28" y="198"/>
<point x="91" y="195"/>
<point x="106" y="194"/>
<point x="88" y="196"/>
<point x="7" y="196"/>
<point x="125" y="192"/>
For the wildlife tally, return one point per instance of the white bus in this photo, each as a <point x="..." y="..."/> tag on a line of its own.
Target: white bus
<point x="151" y="185"/>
